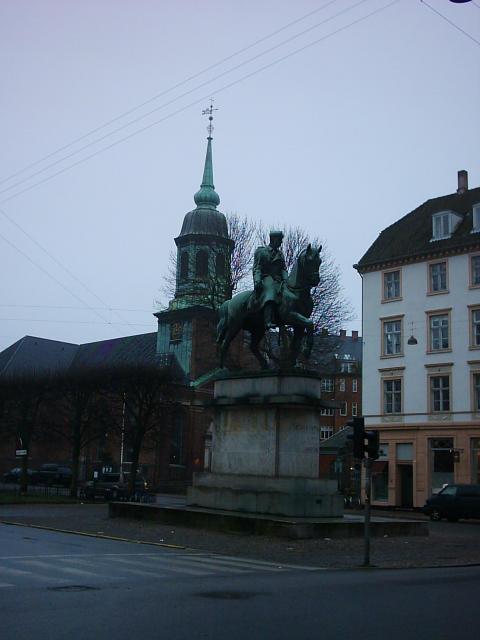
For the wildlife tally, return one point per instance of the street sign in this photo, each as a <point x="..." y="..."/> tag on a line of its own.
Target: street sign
<point x="20" y="453"/>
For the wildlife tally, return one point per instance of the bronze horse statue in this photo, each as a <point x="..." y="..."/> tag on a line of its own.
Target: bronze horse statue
<point x="294" y="311"/>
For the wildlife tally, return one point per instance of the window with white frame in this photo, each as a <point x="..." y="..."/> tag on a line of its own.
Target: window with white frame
<point x="476" y="391"/>
<point x="354" y="408"/>
<point x="392" y="396"/>
<point x="475" y="327"/>
<point x="341" y="384"/>
<point x="439" y="331"/>
<point x="346" y="367"/>
<point x="437" y="277"/>
<point x="326" y="432"/>
<point x="439" y="393"/>
<point x="441" y="223"/>
<point x="391" y="285"/>
<point x="343" y="409"/>
<point x="326" y="412"/>
<point x="476" y="218"/>
<point x="392" y="337"/>
<point x="354" y="385"/>
<point x="326" y="385"/>
<point x="475" y="271"/>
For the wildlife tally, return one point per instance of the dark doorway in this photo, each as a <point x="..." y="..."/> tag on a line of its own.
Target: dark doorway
<point x="405" y="472"/>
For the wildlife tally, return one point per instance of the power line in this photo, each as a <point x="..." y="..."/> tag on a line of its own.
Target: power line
<point x="177" y="98"/>
<point x="203" y="98"/>
<point x="56" y="261"/>
<point x="52" y="277"/>
<point x="130" y="324"/>
<point x="450" y="22"/>
<point x="72" y="308"/>
<point x="166" y="91"/>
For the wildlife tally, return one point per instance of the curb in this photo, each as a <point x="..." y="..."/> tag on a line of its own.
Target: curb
<point x="176" y="546"/>
<point x="92" y="535"/>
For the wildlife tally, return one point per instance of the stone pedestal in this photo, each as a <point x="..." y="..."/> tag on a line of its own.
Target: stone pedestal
<point x="265" y="451"/>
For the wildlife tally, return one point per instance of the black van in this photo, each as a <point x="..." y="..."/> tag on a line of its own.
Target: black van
<point x="453" y="502"/>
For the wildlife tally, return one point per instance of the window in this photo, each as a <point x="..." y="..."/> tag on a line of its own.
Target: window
<point x="475" y="271"/>
<point x="326" y="385"/>
<point x="439" y="331"/>
<point x="326" y="412"/>
<point x="391" y="285"/>
<point x="392" y="337"/>
<point x="341" y="384"/>
<point x="439" y="393"/>
<point x="392" y="396"/>
<point x="346" y="367"/>
<point x="184" y="265"/>
<point x="437" y="277"/>
<point x="476" y="392"/>
<point x="326" y="432"/>
<point x="475" y="327"/>
<point x="201" y="264"/>
<point x="441" y="226"/>
<point x="220" y="265"/>
<point x="354" y="385"/>
<point x="343" y="409"/>
<point x="476" y="218"/>
<point x="354" y="408"/>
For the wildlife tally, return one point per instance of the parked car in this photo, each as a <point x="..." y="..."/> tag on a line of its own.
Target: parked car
<point x="54" y="474"/>
<point x="110" y="486"/>
<point x="14" y="475"/>
<point x="453" y="502"/>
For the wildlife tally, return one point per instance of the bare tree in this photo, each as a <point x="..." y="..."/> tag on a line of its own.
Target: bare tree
<point x="146" y="393"/>
<point x="23" y="396"/>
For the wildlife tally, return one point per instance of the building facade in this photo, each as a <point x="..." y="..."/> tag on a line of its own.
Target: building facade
<point x="421" y="332"/>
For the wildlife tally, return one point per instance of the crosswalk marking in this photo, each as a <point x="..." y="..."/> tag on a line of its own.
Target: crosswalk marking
<point x="5" y="584"/>
<point x="45" y="565"/>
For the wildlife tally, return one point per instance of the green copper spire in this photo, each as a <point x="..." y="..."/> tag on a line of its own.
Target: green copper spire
<point x="207" y="196"/>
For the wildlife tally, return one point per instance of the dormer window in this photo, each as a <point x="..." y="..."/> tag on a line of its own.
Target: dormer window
<point x="441" y="226"/>
<point x="476" y="218"/>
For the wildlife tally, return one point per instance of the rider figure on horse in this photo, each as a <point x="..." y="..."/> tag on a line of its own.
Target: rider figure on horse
<point x="269" y="274"/>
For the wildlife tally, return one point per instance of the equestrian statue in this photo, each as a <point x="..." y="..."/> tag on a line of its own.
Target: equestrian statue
<point x="278" y="300"/>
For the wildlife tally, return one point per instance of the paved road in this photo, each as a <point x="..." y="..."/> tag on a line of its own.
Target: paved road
<point x="56" y="586"/>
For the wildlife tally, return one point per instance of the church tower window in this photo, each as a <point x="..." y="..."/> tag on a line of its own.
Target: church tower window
<point x="220" y="265"/>
<point x="201" y="265"/>
<point x="184" y="259"/>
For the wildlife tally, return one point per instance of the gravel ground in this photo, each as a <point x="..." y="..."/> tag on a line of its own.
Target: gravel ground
<point x="447" y="544"/>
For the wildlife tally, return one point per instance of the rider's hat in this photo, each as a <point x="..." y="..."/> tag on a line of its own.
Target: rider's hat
<point x="276" y="233"/>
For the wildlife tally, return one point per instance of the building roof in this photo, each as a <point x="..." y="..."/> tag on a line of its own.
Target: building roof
<point x="36" y="355"/>
<point x="329" y="351"/>
<point x="410" y="237"/>
<point x="204" y="222"/>
<point x="32" y="355"/>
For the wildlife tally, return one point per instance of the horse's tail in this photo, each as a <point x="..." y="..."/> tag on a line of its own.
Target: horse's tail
<point x="222" y="322"/>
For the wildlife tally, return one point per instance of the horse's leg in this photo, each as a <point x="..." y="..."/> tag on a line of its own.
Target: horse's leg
<point x="298" y="333"/>
<point x="255" y="339"/>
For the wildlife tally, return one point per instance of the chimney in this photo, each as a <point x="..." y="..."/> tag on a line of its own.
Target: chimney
<point x="462" y="181"/>
<point x="343" y="333"/>
<point x="354" y="335"/>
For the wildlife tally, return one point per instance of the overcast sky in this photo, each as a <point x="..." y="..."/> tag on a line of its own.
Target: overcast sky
<point x="342" y="138"/>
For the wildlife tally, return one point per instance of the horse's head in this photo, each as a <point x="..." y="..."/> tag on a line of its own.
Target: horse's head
<point x="308" y="266"/>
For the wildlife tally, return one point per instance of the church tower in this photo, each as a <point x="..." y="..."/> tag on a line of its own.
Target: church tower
<point x="204" y="249"/>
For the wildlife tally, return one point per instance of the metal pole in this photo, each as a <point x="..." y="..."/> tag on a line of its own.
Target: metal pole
<point x="368" y="493"/>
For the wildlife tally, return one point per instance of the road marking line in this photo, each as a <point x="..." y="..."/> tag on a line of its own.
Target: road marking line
<point x="168" y="564"/>
<point x="29" y="574"/>
<point x="5" y="584"/>
<point x="53" y="567"/>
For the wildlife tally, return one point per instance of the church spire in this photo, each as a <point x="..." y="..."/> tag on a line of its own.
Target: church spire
<point x="207" y="197"/>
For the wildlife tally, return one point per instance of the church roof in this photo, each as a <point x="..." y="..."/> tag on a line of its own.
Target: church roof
<point x="204" y="222"/>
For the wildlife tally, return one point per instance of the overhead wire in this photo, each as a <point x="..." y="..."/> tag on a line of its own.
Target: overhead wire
<point x="204" y="97"/>
<point x="57" y="262"/>
<point x="179" y="97"/>
<point x="450" y="22"/>
<point x="166" y="91"/>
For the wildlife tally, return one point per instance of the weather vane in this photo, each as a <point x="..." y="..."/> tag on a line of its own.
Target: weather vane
<point x="209" y="111"/>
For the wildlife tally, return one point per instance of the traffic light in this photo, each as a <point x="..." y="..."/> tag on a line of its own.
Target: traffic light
<point x="373" y="444"/>
<point x="358" y="437"/>
<point x="364" y="442"/>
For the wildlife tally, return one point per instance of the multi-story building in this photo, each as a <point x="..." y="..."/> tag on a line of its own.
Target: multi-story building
<point x="421" y="332"/>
